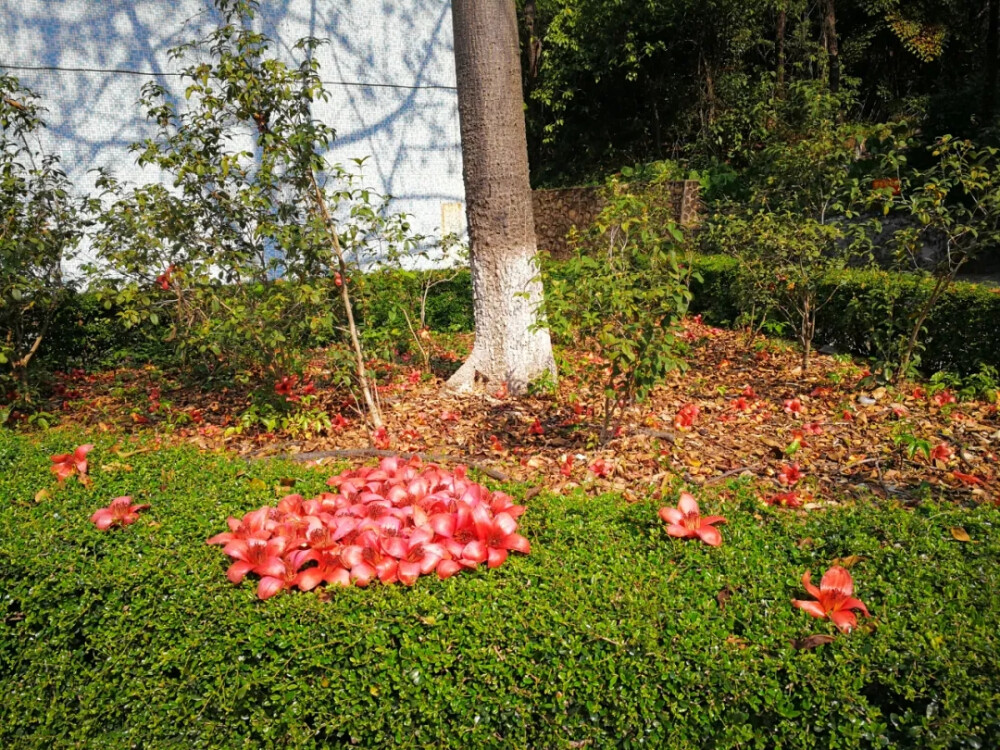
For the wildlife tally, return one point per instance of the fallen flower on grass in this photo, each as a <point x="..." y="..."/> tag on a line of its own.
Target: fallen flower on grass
<point x="65" y="465"/>
<point x="391" y="523"/>
<point x="785" y="499"/>
<point x="834" y="599"/>
<point x="686" y="521"/>
<point x="121" y="512"/>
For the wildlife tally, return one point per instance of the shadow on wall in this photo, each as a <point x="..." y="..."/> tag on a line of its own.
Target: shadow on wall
<point x="389" y="68"/>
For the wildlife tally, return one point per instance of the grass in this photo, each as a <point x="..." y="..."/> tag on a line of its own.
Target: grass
<point x="609" y="634"/>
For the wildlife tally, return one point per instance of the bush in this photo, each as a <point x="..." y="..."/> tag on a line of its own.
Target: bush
<point x="609" y="633"/>
<point x="962" y="328"/>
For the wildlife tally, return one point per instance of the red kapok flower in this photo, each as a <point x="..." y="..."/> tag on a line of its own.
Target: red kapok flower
<point x="790" y="474"/>
<point x="66" y="465"/>
<point x="941" y="452"/>
<point x="686" y="416"/>
<point x="686" y="521"/>
<point x="536" y="428"/>
<point x="121" y="512"/>
<point x="566" y="465"/>
<point x="785" y="499"/>
<point x="833" y="599"/>
<point x="943" y="397"/>
<point x="601" y="468"/>
<point x="165" y="278"/>
<point x="792" y="406"/>
<point x="256" y="556"/>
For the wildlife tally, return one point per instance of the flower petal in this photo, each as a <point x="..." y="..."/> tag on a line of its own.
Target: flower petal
<point x="681" y="532"/>
<point x="838" y="580"/>
<point x="845" y="620"/>
<point x="238" y="571"/>
<point x="268" y="587"/>
<point x="851" y="603"/>
<point x="447" y="568"/>
<point x="688" y="504"/>
<point x="808" y="586"/>
<point x="810" y="607"/>
<point x="709" y="535"/>
<point x="517" y="543"/>
<point x="496" y="557"/>
<point x="671" y="515"/>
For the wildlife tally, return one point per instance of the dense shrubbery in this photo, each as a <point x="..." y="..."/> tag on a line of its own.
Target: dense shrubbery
<point x="870" y="309"/>
<point x="610" y="633"/>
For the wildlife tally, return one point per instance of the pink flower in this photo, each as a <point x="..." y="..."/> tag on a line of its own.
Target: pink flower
<point x="497" y="535"/>
<point x="602" y="468"/>
<point x="834" y="599"/>
<point x="255" y="556"/>
<point x="66" y="465"/>
<point x="686" y="521"/>
<point x="121" y="512"/>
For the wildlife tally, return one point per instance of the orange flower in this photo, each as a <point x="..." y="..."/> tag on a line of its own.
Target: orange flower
<point x="686" y="521"/>
<point x="834" y="599"/>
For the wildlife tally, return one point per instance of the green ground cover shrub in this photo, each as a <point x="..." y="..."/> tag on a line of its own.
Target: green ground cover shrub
<point x="870" y="310"/>
<point x="610" y="633"/>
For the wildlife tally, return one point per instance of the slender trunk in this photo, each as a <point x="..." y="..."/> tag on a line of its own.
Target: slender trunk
<point x="832" y="48"/>
<point x="782" y="20"/>
<point x="374" y="413"/>
<point x="507" y="290"/>
<point x="940" y="285"/>
<point x="990" y="84"/>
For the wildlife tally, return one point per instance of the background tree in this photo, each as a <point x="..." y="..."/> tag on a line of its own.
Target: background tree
<point x="40" y="227"/>
<point x="507" y="290"/>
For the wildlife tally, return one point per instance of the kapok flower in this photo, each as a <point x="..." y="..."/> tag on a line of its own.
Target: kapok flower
<point x="601" y="468"/>
<point x="834" y="599"/>
<point x="65" y="465"/>
<point x="790" y="475"/>
<point x="498" y="535"/>
<point x="686" y="521"/>
<point x="941" y="452"/>
<point x="536" y="428"/>
<point x="121" y="512"/>
<point x="256" y="556"/>
<point x="686" y="416"/>
<point x="792" y="406"/>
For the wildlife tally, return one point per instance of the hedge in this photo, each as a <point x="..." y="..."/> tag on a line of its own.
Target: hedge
<point x="962" y="329"/>
<point x="610" y="634"/>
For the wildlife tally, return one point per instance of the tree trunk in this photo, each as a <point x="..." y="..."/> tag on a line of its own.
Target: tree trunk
<point x="507" y="292"/>
<point x="990" y="84"/>
<point x="832" y="49"/>
<point x="782" y="20"/>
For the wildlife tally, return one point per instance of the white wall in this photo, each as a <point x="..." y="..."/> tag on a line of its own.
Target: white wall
<point x="389" y="68"/>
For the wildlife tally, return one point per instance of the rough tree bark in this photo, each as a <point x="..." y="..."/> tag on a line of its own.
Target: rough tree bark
<point x="782" y="20"/>
<point x="832" y="48"/>
<point x="505" y="285"/>
<point x="990" y="85"/>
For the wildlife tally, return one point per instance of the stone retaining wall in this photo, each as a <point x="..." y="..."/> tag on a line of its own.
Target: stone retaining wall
<point x="560" y="209"/>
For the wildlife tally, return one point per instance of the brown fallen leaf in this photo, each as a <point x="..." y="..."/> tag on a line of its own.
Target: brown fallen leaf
<point x="42" y="495"/>
<point x="724" y="596"/>
<point x="960" y="534"/>
<point x="848" y="562"/>
<point x="812" y="641"/>
<point x="287" y="481"/>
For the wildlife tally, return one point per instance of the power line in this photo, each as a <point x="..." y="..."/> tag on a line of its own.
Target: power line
<point x="124" y="71"/>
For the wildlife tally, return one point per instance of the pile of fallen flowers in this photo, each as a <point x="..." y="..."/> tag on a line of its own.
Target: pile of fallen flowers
<point x="394" y="523"/>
